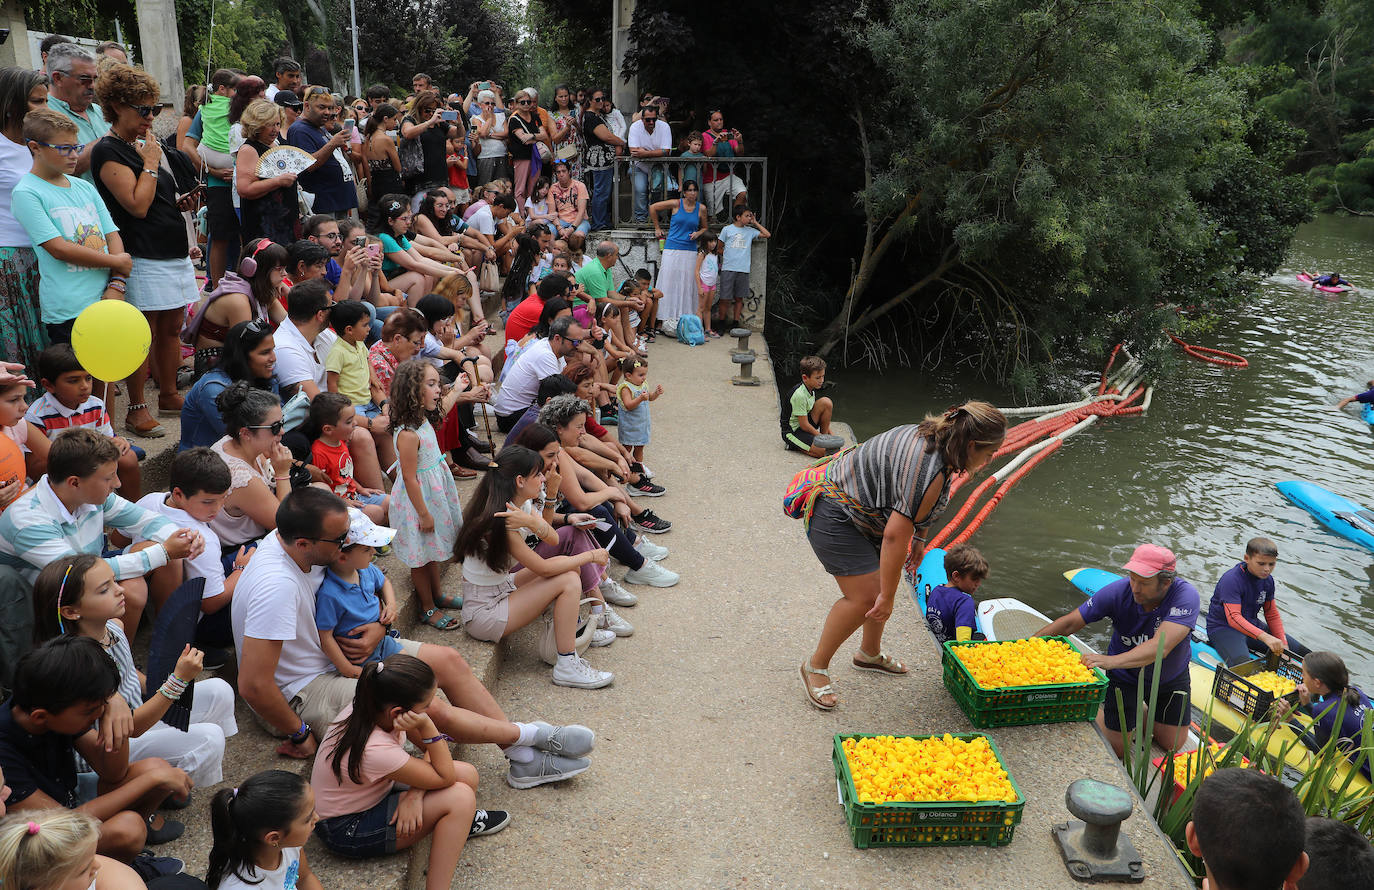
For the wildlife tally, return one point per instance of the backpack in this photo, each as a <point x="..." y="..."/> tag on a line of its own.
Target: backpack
<point x="801" y="491"/>
<point x="690" y="331"/>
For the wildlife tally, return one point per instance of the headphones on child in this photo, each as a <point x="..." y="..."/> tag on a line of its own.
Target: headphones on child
<point x="248" y="267"/>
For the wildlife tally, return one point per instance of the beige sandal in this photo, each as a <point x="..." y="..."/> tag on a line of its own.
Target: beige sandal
<point x="815" y="693"/>
<point x="882" y="662"/>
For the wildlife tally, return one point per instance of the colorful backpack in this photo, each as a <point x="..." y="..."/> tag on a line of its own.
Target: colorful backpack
<point x="801" y="492"/>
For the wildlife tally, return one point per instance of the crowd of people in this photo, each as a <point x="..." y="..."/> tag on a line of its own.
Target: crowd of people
<point x="316" y="272"/>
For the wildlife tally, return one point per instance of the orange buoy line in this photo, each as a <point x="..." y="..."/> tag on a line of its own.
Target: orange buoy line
<point x="1213" y="356"/>
<point x="1033" y="441"/>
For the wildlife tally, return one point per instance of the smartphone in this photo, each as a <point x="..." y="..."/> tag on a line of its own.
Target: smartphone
<point x="360" y="241"/>
<point x="583" y="523"/>
<point x="485" y="85"/>
<point x="348" y="126"/>
<point x="374" y="249"/>
<point x="448" y="115"/>
<point x="197" y="190"/>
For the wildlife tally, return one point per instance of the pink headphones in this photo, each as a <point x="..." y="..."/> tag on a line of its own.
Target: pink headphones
<point x="249" y="266"/>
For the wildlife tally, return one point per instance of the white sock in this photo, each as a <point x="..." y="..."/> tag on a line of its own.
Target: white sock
<point x="598" y="608"/>
<point x="528" y="731"/>
<point x="568" y="659"/>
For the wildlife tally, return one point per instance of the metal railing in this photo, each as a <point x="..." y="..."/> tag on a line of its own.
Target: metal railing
<point x="664" y="176"/>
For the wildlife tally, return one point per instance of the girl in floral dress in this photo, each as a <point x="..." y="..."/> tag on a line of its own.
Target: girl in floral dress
<point x="424" y="502"/>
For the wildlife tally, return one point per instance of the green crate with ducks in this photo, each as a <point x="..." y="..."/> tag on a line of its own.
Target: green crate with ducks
<point x="933" y="823"/>
<point x="1020" y="705"/>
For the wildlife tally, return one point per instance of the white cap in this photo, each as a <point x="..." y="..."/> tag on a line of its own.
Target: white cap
<point x="362" y="530"/>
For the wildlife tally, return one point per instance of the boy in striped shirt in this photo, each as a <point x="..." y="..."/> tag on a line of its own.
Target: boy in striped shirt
<point x="67" y="510"/>
<point x="68" y="403"/>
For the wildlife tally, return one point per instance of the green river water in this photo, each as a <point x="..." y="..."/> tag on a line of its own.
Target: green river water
<point x="1197" y="472"/>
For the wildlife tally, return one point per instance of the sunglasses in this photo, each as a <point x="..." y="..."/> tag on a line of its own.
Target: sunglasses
<point x="493" y="104"/>
<point x="337" y="542"/>
<point x="67" y="149"/>
<point x="522" y="101"/>
<point x="257" y="327"/>
<point x="86" y="79"/>
<point x="317" y="91"/>
<point x="275" y="427"/>
<point x="145" y="110"/>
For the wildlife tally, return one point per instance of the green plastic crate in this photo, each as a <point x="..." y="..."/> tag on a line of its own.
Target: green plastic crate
<point x="1020" y="705"/>
<point x="935" y="824"/>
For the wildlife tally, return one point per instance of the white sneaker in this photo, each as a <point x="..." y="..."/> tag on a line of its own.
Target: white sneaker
<point x="602" y="637"/>
<point x="576" y="672"/>
<point x="613" y="593"/>
<point x="614" y="623"/>
<point x="652" y="574"/>
<point x="649" y="550"/>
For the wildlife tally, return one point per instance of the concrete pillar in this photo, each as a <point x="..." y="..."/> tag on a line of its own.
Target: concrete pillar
<point x="160" y="49"/>
<point x="624" y="91"/>
<point x="16" y="50"/>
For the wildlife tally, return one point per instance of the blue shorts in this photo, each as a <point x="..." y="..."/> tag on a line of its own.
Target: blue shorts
<point x="369" y="410"/>
<point x="362" y="835"/>
<point x="370" y="499"/>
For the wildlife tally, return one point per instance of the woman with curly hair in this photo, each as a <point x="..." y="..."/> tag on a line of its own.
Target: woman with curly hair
<point x="22" y="335"/>
<point x="141" y="194"/>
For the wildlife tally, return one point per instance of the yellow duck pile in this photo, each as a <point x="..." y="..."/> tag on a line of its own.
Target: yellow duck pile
<point x="1273" y="682"/>
<point x="889" y="769"/>
<point x="1034" y="662"/>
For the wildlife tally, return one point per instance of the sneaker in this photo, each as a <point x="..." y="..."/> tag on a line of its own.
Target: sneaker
<point x="651" y="574"/>
<point x="545" y="768"/>
<point x="613" y="593"/>
<point x="614" y="623"/>
<point x="576" y="672"/>
<point x="649" y="550"/>
<point x="488" y="822"/>
<point x="645" y="488"/>
<point x="610" y="417"/>
<point x="648" y="523"/>
<point x="602" y="638"/>
<point x="572" y="740"/>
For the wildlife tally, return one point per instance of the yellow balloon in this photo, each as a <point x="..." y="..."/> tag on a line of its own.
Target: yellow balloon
<point x="111" y="339"/>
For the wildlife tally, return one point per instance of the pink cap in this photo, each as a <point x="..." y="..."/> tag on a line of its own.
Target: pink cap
<point x="1149" y="560"/>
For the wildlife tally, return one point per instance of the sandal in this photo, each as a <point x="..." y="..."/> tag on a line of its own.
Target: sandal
<point x="150" y="429"/>
<point x="814" y="694"/>
<point x="444" y="621"/>
<point x="169" y="831"/>
<point x="448" y="600"/>
<point x="882" y="662"/>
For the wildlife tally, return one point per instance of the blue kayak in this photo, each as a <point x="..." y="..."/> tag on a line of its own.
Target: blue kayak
<point x="1090" y="581"/>
<point x="1344" y="517"/>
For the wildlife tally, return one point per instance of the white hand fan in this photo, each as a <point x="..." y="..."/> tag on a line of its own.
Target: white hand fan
<point x="284" y="159"/>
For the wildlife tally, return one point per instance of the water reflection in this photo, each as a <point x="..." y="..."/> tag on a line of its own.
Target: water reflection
<point x="1198" y="472"/>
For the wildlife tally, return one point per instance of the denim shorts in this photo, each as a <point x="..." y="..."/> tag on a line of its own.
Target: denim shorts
<point x="371" y="409"/>
<point x="362" y="835"/>
<point x="370" y="499"/>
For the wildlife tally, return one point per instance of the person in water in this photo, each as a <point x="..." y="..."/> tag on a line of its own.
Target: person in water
<point x="1331" y="279"/>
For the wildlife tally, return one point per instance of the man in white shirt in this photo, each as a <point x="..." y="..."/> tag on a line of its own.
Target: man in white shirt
<point x="288" y="73"/>
<point x="540" y="359"/>
<point x="649" y="138"/>
<point x="293" y="688"/>
<point x="301" y="348"/>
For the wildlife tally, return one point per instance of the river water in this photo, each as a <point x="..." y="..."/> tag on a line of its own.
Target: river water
<point x="1197" y="472"/>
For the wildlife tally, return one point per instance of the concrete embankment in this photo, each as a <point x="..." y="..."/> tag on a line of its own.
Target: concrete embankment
<point x="711" y="769"/>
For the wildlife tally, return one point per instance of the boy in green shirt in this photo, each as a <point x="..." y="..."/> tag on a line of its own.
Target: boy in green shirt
<point x="808" y="416"/>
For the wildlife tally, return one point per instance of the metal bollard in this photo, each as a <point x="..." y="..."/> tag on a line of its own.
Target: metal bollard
<point x="1094" y="849"/>
<point x="745" y="377"/>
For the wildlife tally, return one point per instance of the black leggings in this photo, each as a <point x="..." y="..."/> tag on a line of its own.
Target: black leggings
<point x="616" y="539"/>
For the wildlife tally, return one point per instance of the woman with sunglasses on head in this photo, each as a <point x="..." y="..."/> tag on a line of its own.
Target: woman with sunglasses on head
<point x="249" y="355"/>
<point x="525" y="131"/>
<point x="490" y="129"/>
<point x="139" y="189"/>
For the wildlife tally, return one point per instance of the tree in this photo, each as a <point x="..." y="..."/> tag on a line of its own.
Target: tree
<point x="569" y="43"/>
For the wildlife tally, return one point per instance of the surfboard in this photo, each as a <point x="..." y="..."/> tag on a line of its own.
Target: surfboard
<point x="1341" y="515"/>
<point x="1308" y="280"/>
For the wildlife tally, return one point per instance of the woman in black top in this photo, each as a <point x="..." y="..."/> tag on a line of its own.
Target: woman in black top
<point x="425" y="123"/>
<point x="140" y="192"/>
<point x="525" y="130"/>
<point x="379" y="150"/>
<point x="268" y="208"/>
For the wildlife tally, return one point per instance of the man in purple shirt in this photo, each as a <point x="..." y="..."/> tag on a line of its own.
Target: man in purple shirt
<point x="1150" y="605"/>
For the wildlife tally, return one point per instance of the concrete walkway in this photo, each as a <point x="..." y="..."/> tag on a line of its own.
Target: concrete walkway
<point x="711" y="769"/>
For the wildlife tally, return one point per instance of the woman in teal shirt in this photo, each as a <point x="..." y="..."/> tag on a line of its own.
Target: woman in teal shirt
<point x="405" y="268"/>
